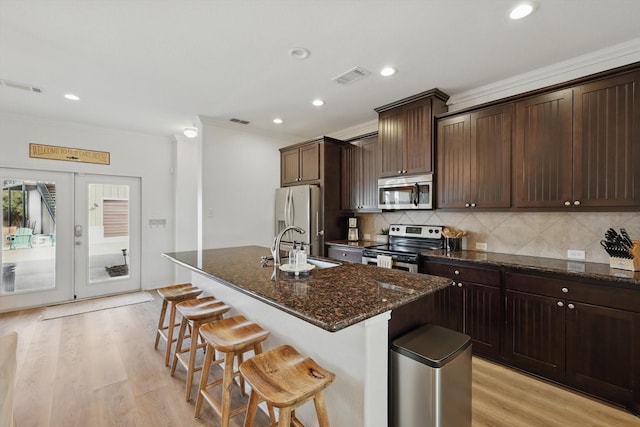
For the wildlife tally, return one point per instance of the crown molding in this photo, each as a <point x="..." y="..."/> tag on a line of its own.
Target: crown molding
<point x="357" y="130"/>
<point x="580" y="66"/>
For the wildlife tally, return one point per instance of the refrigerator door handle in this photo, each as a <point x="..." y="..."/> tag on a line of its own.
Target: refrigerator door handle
<point x="320" y="232"/>
<point x="286" y="207"/>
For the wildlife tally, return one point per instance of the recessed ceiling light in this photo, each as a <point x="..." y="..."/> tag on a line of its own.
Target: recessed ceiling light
<point x="277" y="121"/>
<point x="387" y="71"/>
<point x="190" y="132"/>
<point x="299" y="52"/>
<point x="72" y="97"/>
<point x="318" y="102"/>
<point x="521" y="11"/>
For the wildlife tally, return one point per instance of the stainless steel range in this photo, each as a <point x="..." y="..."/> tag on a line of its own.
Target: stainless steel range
<point x="406" y="241"/>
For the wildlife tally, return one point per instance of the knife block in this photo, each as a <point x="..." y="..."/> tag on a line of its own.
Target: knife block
<point x="625" y="263"/>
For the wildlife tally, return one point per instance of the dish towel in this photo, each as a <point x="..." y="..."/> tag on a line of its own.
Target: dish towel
<point x="385" y="261"/>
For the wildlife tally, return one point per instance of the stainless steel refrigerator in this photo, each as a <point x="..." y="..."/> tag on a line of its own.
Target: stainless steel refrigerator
<point x="300" y="206"/>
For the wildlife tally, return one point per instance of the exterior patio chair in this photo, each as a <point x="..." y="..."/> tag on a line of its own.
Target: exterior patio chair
<point x="21" y="238"/>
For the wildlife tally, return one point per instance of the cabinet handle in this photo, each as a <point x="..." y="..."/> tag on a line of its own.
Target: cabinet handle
<point x="460" y="284"/>
<point x="453" y="284"/>
<point x="456" y="272"/>
<point x="576" y="203"/>
<point x="571" y="306"/>
<point x="567" y="203"/>
<point x="473" y="205"/>
<point x="344" y="254"/>
<point x="466" y="205"/>
<point x="399" y="172"/>
<point x="565" y="290"/>
<point x="560" y="304"/>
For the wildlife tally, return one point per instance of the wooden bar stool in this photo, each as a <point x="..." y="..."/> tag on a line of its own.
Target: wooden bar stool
<point x="233" y="337"/>
<point x="171" y="295"/>
<point x="195" y="312"/>
<point x="286" y="379"/>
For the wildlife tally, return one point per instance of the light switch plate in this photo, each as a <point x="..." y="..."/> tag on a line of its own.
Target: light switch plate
<point x="575" y="254"/>
<point x="481" y="246"/>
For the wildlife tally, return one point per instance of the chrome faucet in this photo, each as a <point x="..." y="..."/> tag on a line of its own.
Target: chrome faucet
<point x="275" y="250"/>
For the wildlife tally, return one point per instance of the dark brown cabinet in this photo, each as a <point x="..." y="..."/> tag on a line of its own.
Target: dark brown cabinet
<point x="360" y="175"/>
<point x="474" y="159"/>
<point x="318" y="162"/>
<point x="575" y="147"/>
<point x="300" y="164"/>
<point x="606" y="148"/>
<point x="472" y="304"/>
<point x="405" y="133"/>
<point x="580" y="334"/>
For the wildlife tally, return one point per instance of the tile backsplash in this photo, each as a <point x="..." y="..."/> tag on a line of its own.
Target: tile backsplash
<point x="542" y="234"/>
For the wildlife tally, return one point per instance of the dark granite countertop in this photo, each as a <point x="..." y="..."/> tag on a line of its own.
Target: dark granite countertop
<point x="330" y="298"/>
<point x="568" y="268"/>
<point x="358" y="244"/>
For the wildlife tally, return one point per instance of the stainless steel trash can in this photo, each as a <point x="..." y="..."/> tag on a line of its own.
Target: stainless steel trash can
<point x="430" y="378"/>
<point x="8" y="277"/>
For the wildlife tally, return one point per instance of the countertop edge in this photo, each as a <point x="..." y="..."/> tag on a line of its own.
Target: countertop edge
<point x="330" y="327"/>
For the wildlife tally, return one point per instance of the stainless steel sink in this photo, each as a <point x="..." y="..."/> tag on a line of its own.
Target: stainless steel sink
<point x="319" y="263"/>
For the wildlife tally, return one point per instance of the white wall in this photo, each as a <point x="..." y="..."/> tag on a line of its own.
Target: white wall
<point x="132" y="154"/>
<point x="240" y="171"/>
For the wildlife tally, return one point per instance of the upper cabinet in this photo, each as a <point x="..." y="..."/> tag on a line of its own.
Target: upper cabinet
<point x="360" y="174"/>
<point x="577" y="147"/>
<point x="300" y="164"/>
<point x="474" y="159"/>
<point x="405" y="133"/>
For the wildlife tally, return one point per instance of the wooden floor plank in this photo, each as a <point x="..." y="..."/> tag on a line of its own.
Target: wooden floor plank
<point x="100" y="369"/>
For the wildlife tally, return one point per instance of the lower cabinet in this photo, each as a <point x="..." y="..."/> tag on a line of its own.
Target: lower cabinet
<point x="472" y="304"/>
<point x="345" y="253"/>
<point x="583" y="335"/>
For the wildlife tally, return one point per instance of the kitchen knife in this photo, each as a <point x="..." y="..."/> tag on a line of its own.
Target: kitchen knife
<point x="626" y="238"/>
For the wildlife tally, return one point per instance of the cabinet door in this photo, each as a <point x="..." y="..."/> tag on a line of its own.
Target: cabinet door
<point x="491" y="157"/>
<point x="369" y="176"/>
<point x="602" y="350"/>
<point x="482" y="319"/>
<point x="535" y="334"/>
<point x="391" y="137"/>
<point x="351" y="177"/>
<point x="310" y="162"/>
<point x="542" y="167"/>
<point x="448" y="308"/>
<point x="418" y="147"/>
<point x="606" y="142"/>
<point x="454" y="159"/>
<point x="289" y="166"/>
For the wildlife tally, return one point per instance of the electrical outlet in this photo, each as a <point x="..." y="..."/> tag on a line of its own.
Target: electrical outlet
<point x="481" y="246"/>
<point x="367" y="236"/>
<point x="575" y="254"/>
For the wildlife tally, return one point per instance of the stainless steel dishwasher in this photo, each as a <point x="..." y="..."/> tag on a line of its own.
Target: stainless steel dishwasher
<point x="430" y="378"/>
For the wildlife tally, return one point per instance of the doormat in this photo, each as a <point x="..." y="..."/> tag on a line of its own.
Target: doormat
<point x="79" y="307"/>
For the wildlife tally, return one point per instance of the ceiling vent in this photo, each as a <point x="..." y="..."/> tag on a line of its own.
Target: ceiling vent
<point x="242" y="122"/>
<point x="353" y="75"/>
<point x="22" y="86"/>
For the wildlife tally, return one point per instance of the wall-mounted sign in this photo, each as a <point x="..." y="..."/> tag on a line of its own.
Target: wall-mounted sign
<point x="53" y="152"/>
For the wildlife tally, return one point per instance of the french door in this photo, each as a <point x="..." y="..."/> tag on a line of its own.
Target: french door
<point x="106" y="235"/>
<point x="67" y="236"/>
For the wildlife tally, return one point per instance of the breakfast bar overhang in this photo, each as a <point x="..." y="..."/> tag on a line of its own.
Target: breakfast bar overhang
<point x="338" y="316"/>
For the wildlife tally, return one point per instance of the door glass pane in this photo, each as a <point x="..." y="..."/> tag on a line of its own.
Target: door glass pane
<point x="28" y="236"/>
<point x="108" y="223"/>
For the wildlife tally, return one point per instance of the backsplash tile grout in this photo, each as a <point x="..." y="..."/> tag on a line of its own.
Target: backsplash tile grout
<point x="542" y="234"/>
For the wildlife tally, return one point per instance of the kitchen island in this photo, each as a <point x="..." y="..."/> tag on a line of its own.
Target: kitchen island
<point x="338" y="316"/>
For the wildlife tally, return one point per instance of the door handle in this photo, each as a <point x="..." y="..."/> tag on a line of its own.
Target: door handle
<point x="77" y="231"/>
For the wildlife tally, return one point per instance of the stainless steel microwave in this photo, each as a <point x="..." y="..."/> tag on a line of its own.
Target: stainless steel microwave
<point x="410" y="192"/>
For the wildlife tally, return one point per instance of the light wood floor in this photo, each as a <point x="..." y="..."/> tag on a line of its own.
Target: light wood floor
<point x="100" y="369"/>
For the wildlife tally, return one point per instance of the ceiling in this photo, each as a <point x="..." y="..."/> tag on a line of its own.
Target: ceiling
<point x="154" y="66"/>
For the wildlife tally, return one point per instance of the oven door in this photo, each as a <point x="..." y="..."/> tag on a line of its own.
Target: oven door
<point x="405" y="193"/>
<point x="412" y="268"/>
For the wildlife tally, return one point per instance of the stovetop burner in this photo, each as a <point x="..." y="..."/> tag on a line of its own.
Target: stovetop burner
<point x="407" y="241"/>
